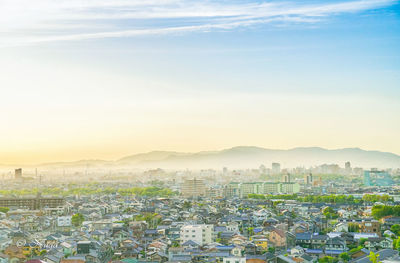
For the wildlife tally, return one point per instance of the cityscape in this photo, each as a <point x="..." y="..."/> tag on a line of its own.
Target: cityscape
<point x="199" y="131"/>
<point x="326" y="213"/>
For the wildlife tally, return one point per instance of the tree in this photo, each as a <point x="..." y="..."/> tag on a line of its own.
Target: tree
<point x="374" y="257"/>
<point x="353" y="227"/>
<point x="395" y="229"/>
<point x="4" y="209"/>
<point x="362" y="241"/>
<point x="77" y="219"/>
<point x="187" y="205"/>
<point x="345" y="256"/>
<point x="330" y="213"/>
<point x="396" y="244"/>
<point x="328" y="259"/>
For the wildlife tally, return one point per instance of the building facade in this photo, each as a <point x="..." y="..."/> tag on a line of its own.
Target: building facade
<point x="201" y="234"/>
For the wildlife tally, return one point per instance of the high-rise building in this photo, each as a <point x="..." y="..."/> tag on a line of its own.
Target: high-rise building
<point x="276" y="168"/>
<point x="193" y="188"/>
<point x="308" y="179"/>
<point x="347" y="167"/>
<point x="18" y="173"/>
<point x="286" y="178"/>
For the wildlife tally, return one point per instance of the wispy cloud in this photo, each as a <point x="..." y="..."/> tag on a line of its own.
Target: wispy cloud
<point x="26" y="22"/>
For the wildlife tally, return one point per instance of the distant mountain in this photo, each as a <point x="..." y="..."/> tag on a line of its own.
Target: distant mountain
<point x="250" y="156"/>
<point x="246" y="157"/>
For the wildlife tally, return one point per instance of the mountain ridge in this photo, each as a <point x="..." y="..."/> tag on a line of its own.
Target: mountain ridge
<point x="242" y="157"/>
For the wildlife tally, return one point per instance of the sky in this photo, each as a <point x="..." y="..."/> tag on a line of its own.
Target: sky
<point x="101" y="79"/>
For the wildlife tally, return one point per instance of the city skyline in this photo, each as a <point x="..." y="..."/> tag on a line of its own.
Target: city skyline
<point x="105" y="79"/>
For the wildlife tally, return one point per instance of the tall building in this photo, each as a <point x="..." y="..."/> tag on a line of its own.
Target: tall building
<point x="276" y="168"/>
<point x="347" y="167"/>
<point x="193" y="188"/>
<point x="18" y="173"/>
<point x="201" y="234"/>
<point x="286" y="178"/>
<point x="308" y="179"/>
<point x="377" y="178"/>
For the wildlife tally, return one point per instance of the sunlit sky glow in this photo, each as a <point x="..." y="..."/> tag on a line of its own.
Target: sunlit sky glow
<point x="104" y="79"/>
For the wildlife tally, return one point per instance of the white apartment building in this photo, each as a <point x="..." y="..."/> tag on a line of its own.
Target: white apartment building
<point x="201" y="234"/>
<point x="64" y="221"/>
<point x="234" y="259"/>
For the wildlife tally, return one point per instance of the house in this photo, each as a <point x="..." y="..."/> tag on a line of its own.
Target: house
<point x="277" y="237"/>
<point x="385" y="255"/>
<point x="375" y="243"/>
<point x="335" y="246"/>
<point x="372" y="226"/>
<point x="261" y="243"/>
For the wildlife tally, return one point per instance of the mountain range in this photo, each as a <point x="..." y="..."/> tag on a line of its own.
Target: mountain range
<point x="244" y="157"/>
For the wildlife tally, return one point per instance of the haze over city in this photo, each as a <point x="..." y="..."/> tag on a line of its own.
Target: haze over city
<point x="199" y="131"/>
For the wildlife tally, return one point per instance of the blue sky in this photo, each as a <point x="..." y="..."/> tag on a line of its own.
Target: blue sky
<point x="277" y="74"/>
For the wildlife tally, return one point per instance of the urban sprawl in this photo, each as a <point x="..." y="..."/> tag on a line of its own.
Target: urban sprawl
<point x="322" y="214"/>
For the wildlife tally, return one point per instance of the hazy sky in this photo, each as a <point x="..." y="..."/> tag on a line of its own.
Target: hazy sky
<point x="107" y="78"/>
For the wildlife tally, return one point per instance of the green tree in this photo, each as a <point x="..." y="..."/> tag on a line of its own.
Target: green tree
<point x="362" y="241"/>
<point x="395" y="229"/>
<point x="344" y="256"/>
<point x="328" y="259"/>
<point x="353" y="227"/>
<point x="4" y="209"/>
<point x="187" y="205"/>
<point x="77" y="219"/>
<point x="374" y="257"/>
<point x="396" y="244"/>
<point x="330" y="213"/>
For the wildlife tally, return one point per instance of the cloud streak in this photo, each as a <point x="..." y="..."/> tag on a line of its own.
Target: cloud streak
<point x="25" y="22"/>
